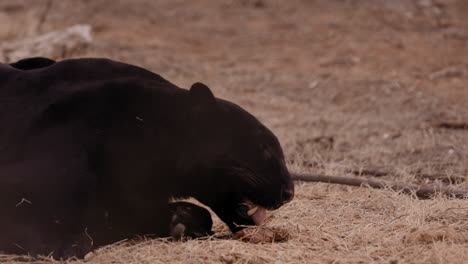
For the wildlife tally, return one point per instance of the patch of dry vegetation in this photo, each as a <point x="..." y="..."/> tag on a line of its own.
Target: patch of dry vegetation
<point x="327" y="224"/>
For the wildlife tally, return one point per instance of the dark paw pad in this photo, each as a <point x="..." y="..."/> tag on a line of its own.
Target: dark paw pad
<point x="189" y="220"/>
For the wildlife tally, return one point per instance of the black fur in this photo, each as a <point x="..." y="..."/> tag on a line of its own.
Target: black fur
<point x="32" y="63"/>
<point x="91" y="150"/>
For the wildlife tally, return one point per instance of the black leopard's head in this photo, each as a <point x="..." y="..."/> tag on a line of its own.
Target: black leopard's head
<point x="237" y="164"/>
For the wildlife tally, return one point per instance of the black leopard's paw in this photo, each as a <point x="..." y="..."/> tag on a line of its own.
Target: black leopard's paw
<point x="189" y="221"/>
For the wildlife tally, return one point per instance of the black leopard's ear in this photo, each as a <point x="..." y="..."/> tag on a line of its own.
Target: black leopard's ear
<point x="201" y="94"/>
<point x="32" y="63"/>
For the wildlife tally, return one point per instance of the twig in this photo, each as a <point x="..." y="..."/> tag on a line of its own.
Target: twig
<point x="442" y="178"/>
<point x="449" y="72"/>
<point x="44" y="15"/>
<point x="379" y="173"/>
<point x="420" y="191"/>
<point x="451" y="124"/>
<point x="23" y="200"/>
<point x="89" y="237"/>
<point x="369" y="172"/>
<point x="454" y="208"/>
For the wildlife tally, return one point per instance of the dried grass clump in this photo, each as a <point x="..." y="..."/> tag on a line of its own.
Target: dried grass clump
<point x="263" y="234"/>
<point x="324" y="224"/>
<point x="441" y="233"/>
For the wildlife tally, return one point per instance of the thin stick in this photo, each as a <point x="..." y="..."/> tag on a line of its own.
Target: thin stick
<point x="43" y="16"/>
<point x="420" y="191"/>
<point x="451" y="124"/>
<point x="377" y="173"/>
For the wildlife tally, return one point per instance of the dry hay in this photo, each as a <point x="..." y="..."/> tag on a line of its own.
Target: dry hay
<point x="263" y="234"/>
<point x="325" y="224"/>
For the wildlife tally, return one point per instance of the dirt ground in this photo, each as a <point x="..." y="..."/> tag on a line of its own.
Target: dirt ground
<point x="345" y="85"/>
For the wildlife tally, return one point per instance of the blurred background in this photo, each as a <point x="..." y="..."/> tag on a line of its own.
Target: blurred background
<point x="347" y="85"/>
